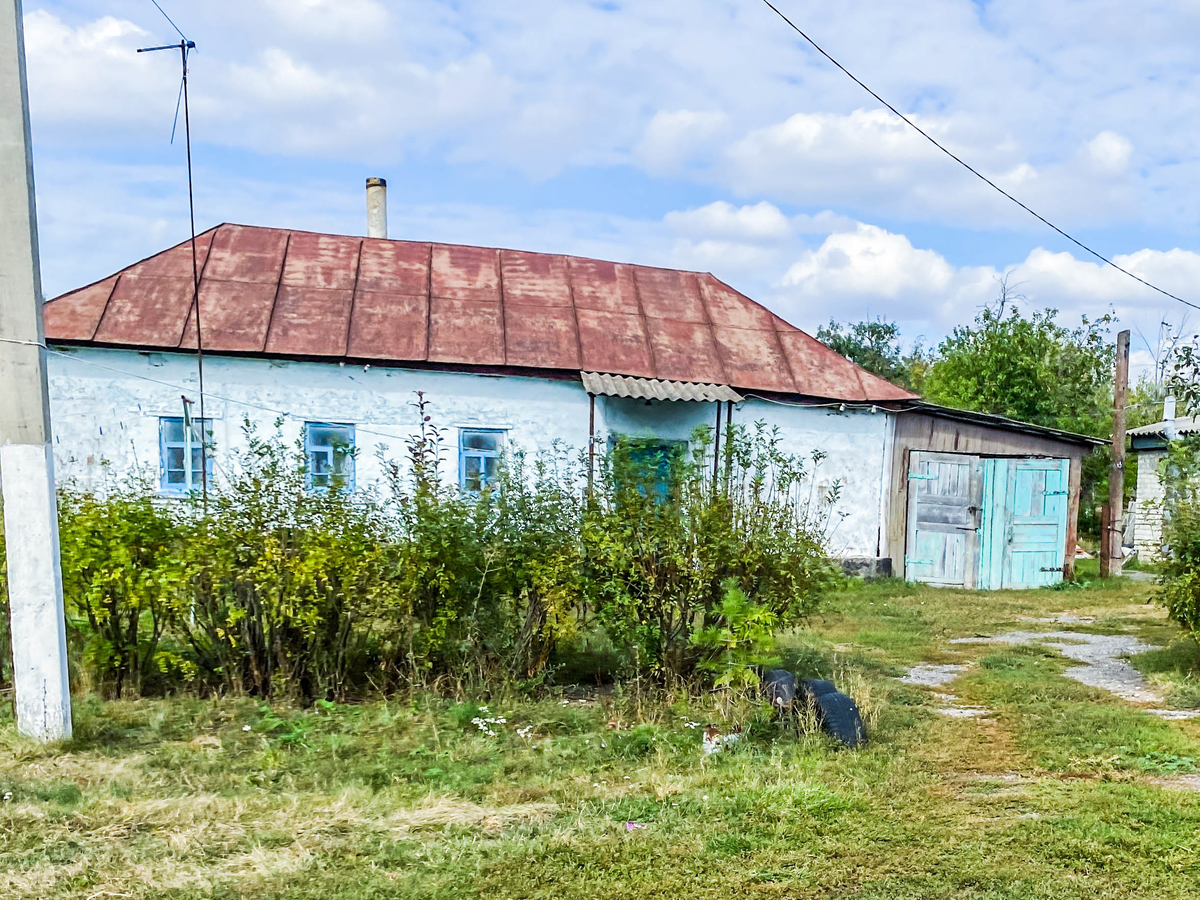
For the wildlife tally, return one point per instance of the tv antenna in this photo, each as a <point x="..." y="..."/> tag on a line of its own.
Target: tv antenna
<point x="185" y="47"/>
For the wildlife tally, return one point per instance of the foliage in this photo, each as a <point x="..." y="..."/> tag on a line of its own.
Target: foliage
<point x="1028" y="368"/>
<point x="875" y="345"/>
<point x="1180" y="474"/>
<point x="120" y="579"/>
<point x="739" y="643"/>
<point x="280" y="590"/>
<point x="663" y="535"/>
<point x="286" y="584"/>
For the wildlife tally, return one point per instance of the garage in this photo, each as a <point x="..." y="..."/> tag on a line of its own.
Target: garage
<point x="983" y="502"/>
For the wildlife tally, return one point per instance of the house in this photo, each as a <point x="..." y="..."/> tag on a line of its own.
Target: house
<point x="1149" y="444"/>
<point x="334" y="334"/>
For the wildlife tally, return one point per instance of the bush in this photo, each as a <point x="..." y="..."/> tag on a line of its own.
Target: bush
<point x="1180" y="592"/>
<point x="666" y="536"/>
<point x="678" y="565"/>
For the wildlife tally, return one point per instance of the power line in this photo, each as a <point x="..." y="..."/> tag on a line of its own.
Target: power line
<point x="1078" y="243"/>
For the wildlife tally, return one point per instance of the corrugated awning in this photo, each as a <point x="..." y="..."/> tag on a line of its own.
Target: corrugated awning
<point x="652" y="389"/>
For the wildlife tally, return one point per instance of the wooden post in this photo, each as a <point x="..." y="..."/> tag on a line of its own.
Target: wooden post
<point x="1110" y="544"/>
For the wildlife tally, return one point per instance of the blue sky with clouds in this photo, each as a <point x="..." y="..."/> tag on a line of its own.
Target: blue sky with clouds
<point x="693" y="133"/>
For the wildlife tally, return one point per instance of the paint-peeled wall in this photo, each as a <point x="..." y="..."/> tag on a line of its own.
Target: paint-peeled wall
<point x="106" y="406"/>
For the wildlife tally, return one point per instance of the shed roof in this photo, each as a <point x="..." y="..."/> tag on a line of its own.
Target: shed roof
<point x="283" y="293"/>
<point x="1183" y="425"/>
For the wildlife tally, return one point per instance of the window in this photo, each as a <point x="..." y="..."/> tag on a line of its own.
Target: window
<point x="479" y="458"/>
<point x="180" y="454"/>
<point x="329" y="449"/>
<point x="649" y="465"/>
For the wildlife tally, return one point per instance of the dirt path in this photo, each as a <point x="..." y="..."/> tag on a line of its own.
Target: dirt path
<point x="1104" y="664"/>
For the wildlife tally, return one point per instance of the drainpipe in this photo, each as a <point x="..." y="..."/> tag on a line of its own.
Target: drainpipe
<point x="376" y="208"/>
<point x="1170" y="429"/>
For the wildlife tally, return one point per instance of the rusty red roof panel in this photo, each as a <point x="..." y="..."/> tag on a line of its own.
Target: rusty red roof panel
<point x="754" y="357"/>
<point x="668" y="294"/>
<point x="727" y="307"/>
<point x="177" y="261"/>
<point x="321" y="261"/>
<point x="535" y="279"/>
<point x="242" y="253"/>
<point x="146" y="310"/>
<point x="295" y="293"/>
<point x="466" y="273"/>
<point x="394" y="267"/>
<point x="681" y="350"/>
<point x="465" y="331"/>
<point x="234" y="317"/>
<point x="309" y="322"/>
<point x="597" y="284"/>
<point x="819" y="371"/>
<point x="389" y="326"/>
<point x="75" y="316"/>
<point x="540" y="336"/>
<point x="614" y="342"/>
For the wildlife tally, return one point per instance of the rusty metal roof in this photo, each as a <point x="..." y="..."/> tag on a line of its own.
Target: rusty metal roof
<point x="281" y="293"/>
<point x="605" y="385"/>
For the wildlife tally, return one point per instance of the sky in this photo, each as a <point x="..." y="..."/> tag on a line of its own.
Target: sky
<point x="698" y="134"/>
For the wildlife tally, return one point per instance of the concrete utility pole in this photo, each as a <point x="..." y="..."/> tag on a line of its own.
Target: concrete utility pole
<point x="39" y="644"/>
<point x="1113" y="525"/>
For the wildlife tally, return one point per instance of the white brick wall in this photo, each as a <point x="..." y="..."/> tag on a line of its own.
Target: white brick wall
<point x="1147" y="508"/>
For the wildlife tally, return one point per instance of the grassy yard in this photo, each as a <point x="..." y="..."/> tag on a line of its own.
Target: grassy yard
<point x="1057" y="791"/>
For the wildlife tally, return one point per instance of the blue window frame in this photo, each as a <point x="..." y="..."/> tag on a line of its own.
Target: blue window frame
<point x="652" y="464"/>
<point x="329" y="449"/>
<point x="180" y="453"/>
<point x="479" y="457"/>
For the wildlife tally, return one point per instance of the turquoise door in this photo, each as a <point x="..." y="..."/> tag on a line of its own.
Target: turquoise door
<point x="1023" y="538"/>
<point x="944" y="500"/>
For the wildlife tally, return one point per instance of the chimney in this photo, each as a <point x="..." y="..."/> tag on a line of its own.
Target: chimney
<point x="1169" y="429"/>
<point x="376" y="208"/>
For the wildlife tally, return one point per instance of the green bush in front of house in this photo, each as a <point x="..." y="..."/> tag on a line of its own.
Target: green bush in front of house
<point x="1180" y="592"/>
<point x="684" y="564"/>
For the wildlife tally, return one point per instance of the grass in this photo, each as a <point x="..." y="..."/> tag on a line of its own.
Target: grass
<point x="1060" y="791"/>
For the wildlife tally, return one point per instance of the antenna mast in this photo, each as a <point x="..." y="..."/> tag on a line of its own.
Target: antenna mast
<point x="184" y="47"/>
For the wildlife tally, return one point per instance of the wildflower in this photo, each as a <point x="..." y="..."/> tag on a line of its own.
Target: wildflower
<point x="245" y="728"/>
<point x="7" y="796"/>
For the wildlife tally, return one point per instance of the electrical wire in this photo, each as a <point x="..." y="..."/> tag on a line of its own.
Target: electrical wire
<point x="168" y="18"/>
<point x="1078" y="243"/>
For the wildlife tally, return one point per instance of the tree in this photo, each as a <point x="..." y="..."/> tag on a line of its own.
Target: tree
<point x="1028" y="368"/>
<point x="875" y="345"/>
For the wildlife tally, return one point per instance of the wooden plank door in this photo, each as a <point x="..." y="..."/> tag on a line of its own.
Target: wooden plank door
<point x="1036" y="522"/>
<point x="945" y="494"/>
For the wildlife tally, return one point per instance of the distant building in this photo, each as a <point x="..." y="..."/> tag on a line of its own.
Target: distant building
<point x="516" y="349"/>
<point x="1150" y="444"/>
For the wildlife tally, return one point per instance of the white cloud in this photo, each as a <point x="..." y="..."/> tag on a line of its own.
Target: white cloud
<point x="761" y="222"/>
<point x="1109" y="152"/>
<point x="353" y="20"/>
<point x="672" y="139"/>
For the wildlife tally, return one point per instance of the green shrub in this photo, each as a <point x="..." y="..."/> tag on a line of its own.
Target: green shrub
<point x="672" y="565"/>
<point x="1180" y="592"/>
<point x="664" y="537"/>
<point x="289" y="588"/>
<point x="122" y="585"/>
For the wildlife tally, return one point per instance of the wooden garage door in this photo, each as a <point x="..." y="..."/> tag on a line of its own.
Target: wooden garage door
<point x="945" y="495"/>
<point x="1024" y="540"/>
